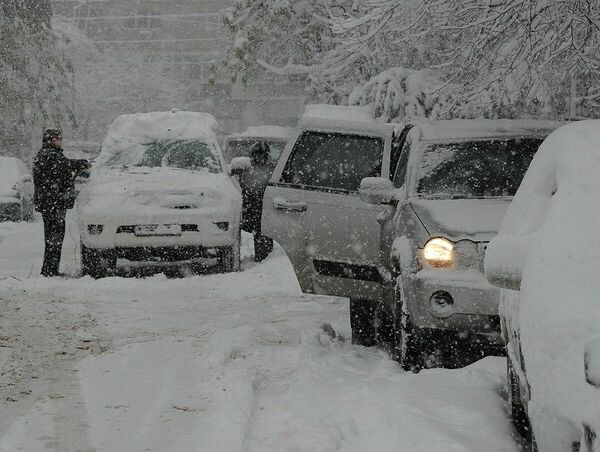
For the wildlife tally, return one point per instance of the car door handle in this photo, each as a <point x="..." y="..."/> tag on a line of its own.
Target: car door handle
<point x="290" y="206"/>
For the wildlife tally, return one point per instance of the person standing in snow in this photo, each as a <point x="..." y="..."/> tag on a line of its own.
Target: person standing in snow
<point x="253" y="182"/>
<point x="54" y="192"/>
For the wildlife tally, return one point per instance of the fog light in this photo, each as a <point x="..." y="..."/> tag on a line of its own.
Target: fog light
<point x="223" y="225"/>
<point x="95" y="229"/>
<point x="442" y="303"/>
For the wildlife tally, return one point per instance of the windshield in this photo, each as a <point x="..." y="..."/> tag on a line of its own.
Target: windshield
<point x="483" y="168"/>
<point x="242" y="147"/>
<point x="333" y="160"/>
<point x="185" y="154"/>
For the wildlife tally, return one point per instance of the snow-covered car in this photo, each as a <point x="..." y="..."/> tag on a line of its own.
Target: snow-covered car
<point x="16" y="190"/>
<point x="240" y="144"/>
<point x="360" y="207"/>
<point x="159" y="190"/>
<point x="546" y="260"/>
<point x="451" y="187"/>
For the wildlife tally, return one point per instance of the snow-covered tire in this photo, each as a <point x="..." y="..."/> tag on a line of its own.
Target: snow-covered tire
<point x="518" y="413"/>
<point x="97" y="263"/>
<point x="229" y="260"/>
<point x="361" y="322"/>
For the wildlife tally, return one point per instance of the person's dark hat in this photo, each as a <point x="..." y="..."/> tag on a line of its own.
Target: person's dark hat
<point x="50" y="134"/>
<point x="260" y="151"/>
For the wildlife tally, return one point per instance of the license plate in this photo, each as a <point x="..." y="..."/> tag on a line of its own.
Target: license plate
<point x="157" y="229"/>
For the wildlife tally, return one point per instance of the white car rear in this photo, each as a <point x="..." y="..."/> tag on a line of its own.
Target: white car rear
<point x="546" y="258"/>
<point x="159" y="191"/>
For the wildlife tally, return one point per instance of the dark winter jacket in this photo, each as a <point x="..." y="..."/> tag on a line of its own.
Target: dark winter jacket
<point x="54" y="179"/>
<point x="254" y="182"/>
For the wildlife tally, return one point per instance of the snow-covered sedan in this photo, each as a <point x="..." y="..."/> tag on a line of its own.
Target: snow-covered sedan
<point x="159" y="190"/>
<point x="16" y="190"/>
<point x="546" y="259"/>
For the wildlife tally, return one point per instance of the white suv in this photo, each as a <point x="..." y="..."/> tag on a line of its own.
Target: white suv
<point x="159" y="190"/>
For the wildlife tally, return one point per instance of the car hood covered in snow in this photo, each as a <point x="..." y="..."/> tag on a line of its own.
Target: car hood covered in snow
<point x="147" y="191"/>
<point x="474" y="219"/>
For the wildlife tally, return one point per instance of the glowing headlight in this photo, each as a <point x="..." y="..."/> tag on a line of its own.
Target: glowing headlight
<point x="438" y="252"/>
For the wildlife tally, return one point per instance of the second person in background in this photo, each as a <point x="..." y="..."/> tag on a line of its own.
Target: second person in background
<point x="253" y="182"/>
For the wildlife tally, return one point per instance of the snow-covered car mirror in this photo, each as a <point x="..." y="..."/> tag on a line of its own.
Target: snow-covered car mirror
<point x="376" y="190"/>
<point x="26" y="178"/>
<point x="239" y="164"/>
<point x="504" y="261"/>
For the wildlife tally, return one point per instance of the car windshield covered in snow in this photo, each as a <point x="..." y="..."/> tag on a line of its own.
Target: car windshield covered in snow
<point x="334" y="160"/>
<point x="475" y="169"/>
<point x="185" y="154"/>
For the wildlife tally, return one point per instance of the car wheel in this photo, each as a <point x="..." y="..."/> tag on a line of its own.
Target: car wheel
<point x="362" y="313"/>
<point x="518" y="413"/>
<point x="229" y="261"/>
<point x="413" y="348"/>
<point x="97" y="263"/>
<point x="383" y="326"/>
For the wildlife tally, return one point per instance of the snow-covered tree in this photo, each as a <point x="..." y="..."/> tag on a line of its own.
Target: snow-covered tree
<point x="34" y="76"/>
<point x="511" y="58"/>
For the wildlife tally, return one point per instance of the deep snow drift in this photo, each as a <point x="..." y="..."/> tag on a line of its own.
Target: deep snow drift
<point x="214" y="363"/>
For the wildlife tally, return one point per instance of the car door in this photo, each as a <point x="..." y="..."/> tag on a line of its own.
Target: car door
<point x="312" y="208"/>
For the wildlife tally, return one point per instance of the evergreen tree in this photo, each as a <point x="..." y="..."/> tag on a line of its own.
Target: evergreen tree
<point x="34" y="76"/>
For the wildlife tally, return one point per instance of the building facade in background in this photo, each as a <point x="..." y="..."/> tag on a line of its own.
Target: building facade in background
<point x="187" y="37"/>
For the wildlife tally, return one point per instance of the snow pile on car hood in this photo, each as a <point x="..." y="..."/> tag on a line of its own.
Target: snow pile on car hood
<point x="144" y="192"/>
<point x="128" y="133"/>
<point x="556" y="210"/>
<point x="9" y="176"/>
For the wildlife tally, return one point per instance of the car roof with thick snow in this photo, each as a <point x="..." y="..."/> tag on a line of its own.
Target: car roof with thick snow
<point x="458" y="129"/>
<point x="341" y="118"/>
<point x="129" y="133"/>
<point x="264" y="132"/>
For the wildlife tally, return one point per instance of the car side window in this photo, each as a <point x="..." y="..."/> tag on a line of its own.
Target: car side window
<point x="402" y="167"/>
<point x="337" y="161"/>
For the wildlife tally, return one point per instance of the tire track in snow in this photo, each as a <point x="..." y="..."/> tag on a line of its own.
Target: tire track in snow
<point x="45" y="340"/>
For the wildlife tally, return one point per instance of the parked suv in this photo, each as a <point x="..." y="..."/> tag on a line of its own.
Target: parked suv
<point x="397" y="219"/>
<point x="452" y="185"/>
<point x="159" y="191"/>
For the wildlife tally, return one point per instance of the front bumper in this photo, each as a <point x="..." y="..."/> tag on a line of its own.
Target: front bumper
<point x="196" y="232"/>
<point x="474" y="310"/>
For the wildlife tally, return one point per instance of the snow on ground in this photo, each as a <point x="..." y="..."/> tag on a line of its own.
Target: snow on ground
<point x="214" y="362"/>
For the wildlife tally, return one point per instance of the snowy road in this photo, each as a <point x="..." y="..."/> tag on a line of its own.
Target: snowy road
<point x="214" y="363"/>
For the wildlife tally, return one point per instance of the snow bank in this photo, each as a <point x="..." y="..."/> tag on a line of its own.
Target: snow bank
<point x="129" y="132"/>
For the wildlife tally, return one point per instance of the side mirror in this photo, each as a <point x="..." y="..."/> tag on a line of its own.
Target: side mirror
<point x="376" y="190"/>
<point x="239" y="165"/>
<point x="505" y="258"/>
<point x="26" y="178"/>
